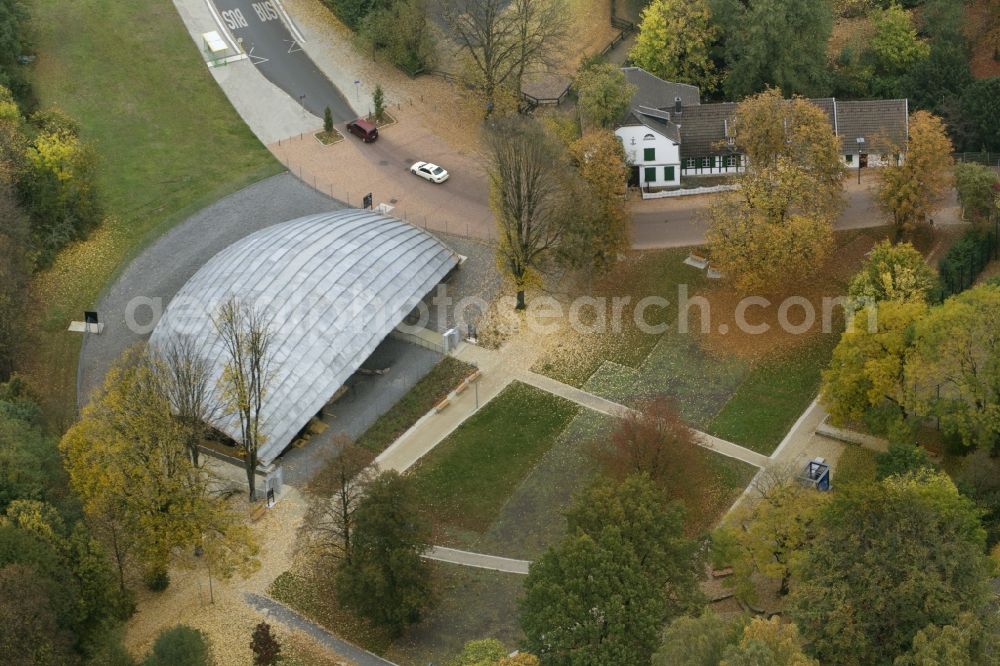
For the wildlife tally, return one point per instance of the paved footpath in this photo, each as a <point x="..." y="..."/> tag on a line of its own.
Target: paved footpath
<point x="477" y="560"/>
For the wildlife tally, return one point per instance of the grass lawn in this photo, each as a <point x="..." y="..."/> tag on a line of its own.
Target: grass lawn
<point x="580" y="354"/>
<point x="463" y="483"/>
<point x="445" y="627"/>
<point x="168" y="140"/>
<point x="310" y="595"/>
<point x="772" y="396"/>
<point x="856" y="464"/>
<point x="429" y="391"/>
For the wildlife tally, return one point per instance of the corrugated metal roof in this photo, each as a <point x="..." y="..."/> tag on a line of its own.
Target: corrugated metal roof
<point x="332" y="285"/>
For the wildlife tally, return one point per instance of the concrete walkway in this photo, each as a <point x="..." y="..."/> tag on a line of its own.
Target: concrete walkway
<point x="477" y="560"/>
<point x="605" y="406"/>
<point x="266" y="109"/>
<point x="278" y="611"/>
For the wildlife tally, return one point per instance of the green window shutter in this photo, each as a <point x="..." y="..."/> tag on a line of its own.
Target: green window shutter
<point x="668" y="173"/>
<point x="650" y="174"/>
<point x="649" y="154"/>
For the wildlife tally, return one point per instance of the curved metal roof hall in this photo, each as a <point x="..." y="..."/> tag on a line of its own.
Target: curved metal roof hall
<point x="331" y="286"/>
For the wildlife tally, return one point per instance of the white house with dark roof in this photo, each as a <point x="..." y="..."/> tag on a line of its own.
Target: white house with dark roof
<point x="668" y="133"/>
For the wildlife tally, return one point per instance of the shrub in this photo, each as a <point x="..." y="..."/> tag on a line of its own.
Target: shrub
<point x="965" y="260"/>
<point x="266" y="648"/>
<point x="327" y="120"/>
<point x="156" y="580"/>
<point x="180" y="646"/>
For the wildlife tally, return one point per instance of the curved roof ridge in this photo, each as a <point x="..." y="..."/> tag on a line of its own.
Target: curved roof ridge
<point x="333" y="285"/>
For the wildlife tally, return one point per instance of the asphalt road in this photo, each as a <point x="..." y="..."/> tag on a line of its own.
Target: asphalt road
<point x="278" y="56"/>
<point x="681" y="221"/>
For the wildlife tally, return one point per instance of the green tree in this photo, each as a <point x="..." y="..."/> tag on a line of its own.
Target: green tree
<point x="484" y="652"/>
<point x="892" y="272"/>
<point x="378" y="103"/>
<point x="385" y="579"/>
<point x="696" y="641"/>
<point x="265" y="647"/>
<point x="975" y="185"/>
<point x="603" y="93"/>
<point x="14" y="20"/>
<point x="981" y="108"/>
<point x="895" y="46"/>
<point x="30" y="634"/>
<point x="30" y="467"/>
<point x="867" y="379"/>
<point x="765" y="537"/>
<point x="979" y="479"/>
<point x="60" y="191"/>
<point x="327" y="120"/>
<point x="128" y="461"/>
<point x="15" y="271"/>
<point x="403" y="33"/>
<point x="180" y="646"/>
<point x="954" y="372"/>
<point x="72" y="569"/>
<point x="901" y="458"/>
<point x="778" y="228"/>
<point x="674" y="42"/>
<point x="890" y="558"/>
<point x="778" y="43"/>
<point x="936" y="83"/>
<point x="601" y="230"/>
<point x="911" y="191"/>
<point x="602" y="595"/>
<point x="768" y="643"/>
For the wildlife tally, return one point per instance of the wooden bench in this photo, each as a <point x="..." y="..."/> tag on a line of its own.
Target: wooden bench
<point x="697" y="261"/>
<point x="440" y="407"/>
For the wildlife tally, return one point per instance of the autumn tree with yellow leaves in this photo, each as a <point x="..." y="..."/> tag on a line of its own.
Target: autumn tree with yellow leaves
<point x="911" y="190"/>
<point x="675" y="42"/>
<point x="778" y="227"/>
<point x="127" y="459"/>
<point x="867" y="376"/>
<point x="601" y="228"/>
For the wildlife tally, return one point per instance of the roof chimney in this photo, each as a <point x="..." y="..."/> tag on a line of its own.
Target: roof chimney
<point x="677" y="104"/>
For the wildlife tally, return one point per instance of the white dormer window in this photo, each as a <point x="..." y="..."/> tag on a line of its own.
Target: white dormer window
<point x="649" y="137"/>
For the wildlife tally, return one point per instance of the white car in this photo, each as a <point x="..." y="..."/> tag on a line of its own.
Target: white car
<point x="431" y="172"/>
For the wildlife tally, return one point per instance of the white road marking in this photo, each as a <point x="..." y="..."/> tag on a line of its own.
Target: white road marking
<point x="256" y="60"/>
<point x="287" y="20"/>
<point x="294" y="46"/>
<point x="222" y="26"/>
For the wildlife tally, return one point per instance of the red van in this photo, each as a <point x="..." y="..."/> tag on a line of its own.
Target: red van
<point x="363" y="129"/>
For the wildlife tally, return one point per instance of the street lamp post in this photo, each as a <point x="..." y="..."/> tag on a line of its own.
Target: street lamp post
<point x="357" y="89"/>
<point x="861" y="150"/>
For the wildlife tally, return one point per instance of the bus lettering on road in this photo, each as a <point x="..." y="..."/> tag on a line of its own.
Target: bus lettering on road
<point x="234" y="19"/>
<point x="265" y="10"/>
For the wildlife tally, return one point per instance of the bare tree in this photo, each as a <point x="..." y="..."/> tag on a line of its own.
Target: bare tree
<point x="246" y="333"/>
<point x="527" y="196"/>
<point x="506" y="38"/>
<point x="185" y="374"/>
<point x="334" y="495"/>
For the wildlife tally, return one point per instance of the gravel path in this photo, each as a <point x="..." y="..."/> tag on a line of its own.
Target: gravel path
<point x="151" y="279"/>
